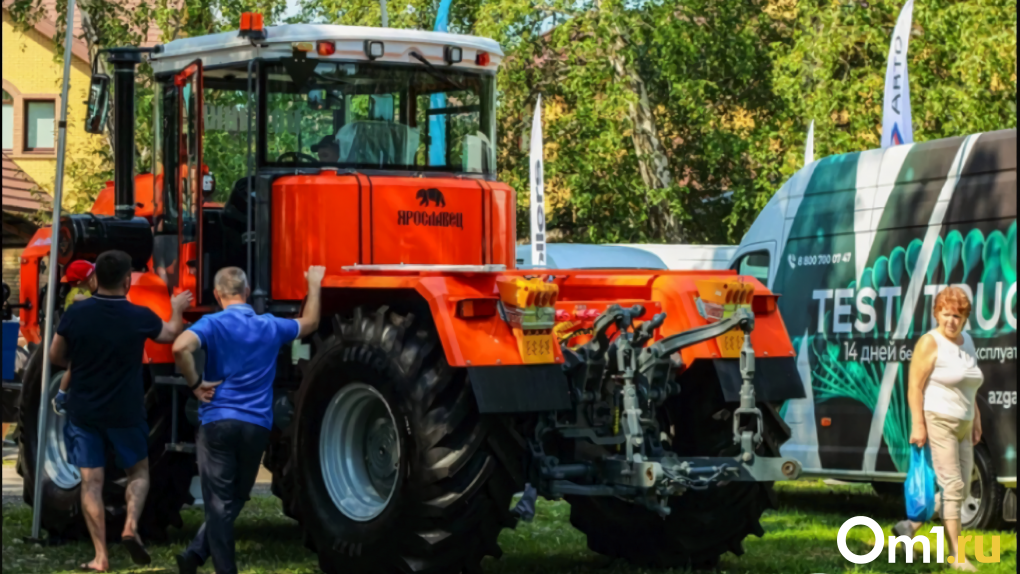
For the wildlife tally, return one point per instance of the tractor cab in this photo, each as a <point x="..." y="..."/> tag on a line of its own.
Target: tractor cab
<point x="340" y="145"/>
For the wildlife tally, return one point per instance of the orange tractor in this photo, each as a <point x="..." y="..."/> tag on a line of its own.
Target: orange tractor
<point x="444" y="381"/>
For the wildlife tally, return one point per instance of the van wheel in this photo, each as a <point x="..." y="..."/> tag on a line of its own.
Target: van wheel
<point x="170" y="473"/>
<point x="982" y="510"/>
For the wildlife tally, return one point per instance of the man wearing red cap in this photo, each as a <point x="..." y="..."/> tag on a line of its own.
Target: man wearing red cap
<point x="81" y="276"/>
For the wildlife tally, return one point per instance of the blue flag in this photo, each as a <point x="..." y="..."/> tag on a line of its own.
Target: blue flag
<point x="437" y="124"/>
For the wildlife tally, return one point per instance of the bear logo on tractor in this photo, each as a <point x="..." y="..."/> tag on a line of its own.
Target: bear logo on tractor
<point x="430" y="196"/>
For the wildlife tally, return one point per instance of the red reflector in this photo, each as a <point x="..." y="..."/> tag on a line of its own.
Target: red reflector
<point x="826" y="422"/>
<point x="764" y="304"/>
<point x="257" y="24"/>
<point x="327" y="48"/>
<point x="483" y="59"/>
<point x="246" y="22"/>
<point x="476" y="308"/>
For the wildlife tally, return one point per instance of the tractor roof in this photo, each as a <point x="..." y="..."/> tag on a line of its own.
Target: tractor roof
<point x="350" y="43"/>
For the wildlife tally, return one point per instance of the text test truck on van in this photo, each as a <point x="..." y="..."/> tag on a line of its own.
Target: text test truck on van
<point x="858" y="246"/>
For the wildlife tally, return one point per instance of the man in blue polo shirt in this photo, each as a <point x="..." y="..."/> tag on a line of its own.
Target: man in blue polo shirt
<point x="237" y="410"/>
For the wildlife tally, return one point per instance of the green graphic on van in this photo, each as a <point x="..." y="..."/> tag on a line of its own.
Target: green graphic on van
<point x="844" y="368"/>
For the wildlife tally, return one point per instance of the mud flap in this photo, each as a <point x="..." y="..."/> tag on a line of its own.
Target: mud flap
<point x="520" y="389"/>
<point x="775" y="380"/>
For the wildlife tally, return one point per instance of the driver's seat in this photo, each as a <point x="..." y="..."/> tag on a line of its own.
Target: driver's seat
<point x="378" y="143"/>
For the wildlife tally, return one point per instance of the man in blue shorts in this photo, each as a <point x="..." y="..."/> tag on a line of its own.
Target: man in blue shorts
<point x="103" y="339"/>
<point x="237" y="410"/>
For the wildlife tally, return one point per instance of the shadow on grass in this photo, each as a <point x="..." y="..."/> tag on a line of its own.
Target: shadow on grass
<point x="564" y="564"/>
<point x="841" y="504"/>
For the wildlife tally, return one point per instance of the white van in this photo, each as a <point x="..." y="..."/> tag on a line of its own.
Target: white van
<point x="858" y="246"/>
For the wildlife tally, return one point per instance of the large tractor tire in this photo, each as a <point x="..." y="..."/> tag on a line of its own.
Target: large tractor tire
<point x="704" y="525"/>
<point x="170" y="473"/>
<point x="394" y="469"/>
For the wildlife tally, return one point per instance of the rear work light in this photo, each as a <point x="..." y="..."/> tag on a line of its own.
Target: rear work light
<point x="453" y="55"/>
<point x="477" y="308"/>
<point x="374" y="50"/>
<point x="483" y="59"/>
<point x="327" y="48"/>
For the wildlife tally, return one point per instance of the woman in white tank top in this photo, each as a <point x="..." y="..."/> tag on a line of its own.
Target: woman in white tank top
<point x="944" y="382"/>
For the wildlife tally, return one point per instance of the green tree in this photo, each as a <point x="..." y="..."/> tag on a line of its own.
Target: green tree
<point x="654" y="117"/>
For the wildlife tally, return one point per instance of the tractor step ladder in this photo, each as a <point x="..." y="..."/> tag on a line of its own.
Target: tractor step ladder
<point x="174" y="445"/>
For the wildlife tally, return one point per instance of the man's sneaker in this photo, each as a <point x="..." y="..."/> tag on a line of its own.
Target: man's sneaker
<point x="187" y="563"/>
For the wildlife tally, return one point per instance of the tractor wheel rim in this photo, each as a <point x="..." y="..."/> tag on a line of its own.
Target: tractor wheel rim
<point x="972" y="505"/>
<point x="360" y="452"/>
<point x="55" y="464"/>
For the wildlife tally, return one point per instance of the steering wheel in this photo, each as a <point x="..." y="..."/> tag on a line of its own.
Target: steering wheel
<point x="296" y="157"/>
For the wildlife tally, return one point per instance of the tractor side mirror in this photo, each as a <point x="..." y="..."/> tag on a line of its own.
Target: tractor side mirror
<point x="98" y="111"/>
<point x="208" y="186"/>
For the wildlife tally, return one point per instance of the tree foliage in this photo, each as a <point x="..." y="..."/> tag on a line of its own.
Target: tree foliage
<point x="669" y="120"/>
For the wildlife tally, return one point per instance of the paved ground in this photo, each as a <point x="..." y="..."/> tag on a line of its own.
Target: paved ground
<point x="12" y="483"/>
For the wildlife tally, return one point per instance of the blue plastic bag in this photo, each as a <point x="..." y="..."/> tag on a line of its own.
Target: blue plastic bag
<point x="921" y="485"/>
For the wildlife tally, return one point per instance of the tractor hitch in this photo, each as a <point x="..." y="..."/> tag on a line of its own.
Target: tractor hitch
<point x="619" y="373"/>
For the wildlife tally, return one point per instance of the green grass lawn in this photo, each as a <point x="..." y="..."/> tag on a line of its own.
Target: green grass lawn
<point x="801" y="539"/>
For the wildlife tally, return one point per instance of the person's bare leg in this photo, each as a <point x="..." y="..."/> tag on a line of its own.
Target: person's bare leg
<point x="95" y="514"/>
<point x="137" y="492"/>
<point x="953" y="531"/>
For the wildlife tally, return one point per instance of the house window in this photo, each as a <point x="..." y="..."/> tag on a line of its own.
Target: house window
<point x="40" y="126"/>
<point x="8" y="122"/>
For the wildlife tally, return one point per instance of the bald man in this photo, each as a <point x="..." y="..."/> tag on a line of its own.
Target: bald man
<point x="237" y="408"/>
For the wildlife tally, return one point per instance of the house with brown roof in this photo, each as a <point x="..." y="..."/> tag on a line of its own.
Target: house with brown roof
<point x="22" y="203"/>
<point x="32" y="78"/>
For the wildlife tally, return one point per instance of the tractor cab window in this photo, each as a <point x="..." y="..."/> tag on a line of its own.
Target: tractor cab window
<point x="371" y="116"/>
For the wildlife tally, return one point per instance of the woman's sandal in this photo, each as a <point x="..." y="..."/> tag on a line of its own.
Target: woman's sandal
<point x="90" y="568"/>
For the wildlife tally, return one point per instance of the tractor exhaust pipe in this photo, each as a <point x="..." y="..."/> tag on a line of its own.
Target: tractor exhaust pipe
<point x="124" y="61"/>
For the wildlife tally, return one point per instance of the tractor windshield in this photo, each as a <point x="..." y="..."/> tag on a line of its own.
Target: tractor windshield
<point x="379" y="117"/>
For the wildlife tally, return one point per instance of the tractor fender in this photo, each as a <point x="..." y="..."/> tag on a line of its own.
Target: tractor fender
<point x="503" y="383"/>
<point x="489" y="341"/>
<point x="475" y="342"/>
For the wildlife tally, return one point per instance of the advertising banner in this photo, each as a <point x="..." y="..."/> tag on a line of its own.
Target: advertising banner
<point x="897" y="122"/>
<point x="538" y="252"/>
